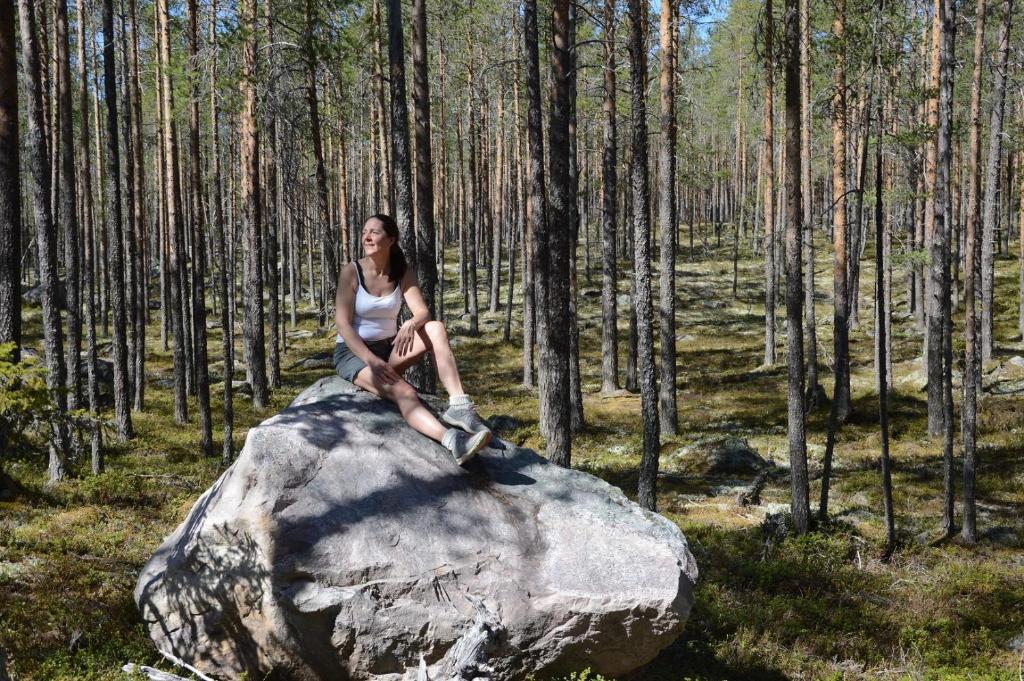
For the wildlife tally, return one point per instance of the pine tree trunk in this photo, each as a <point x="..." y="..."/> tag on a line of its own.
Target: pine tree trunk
<point x="424" y="210"/>
<point x="68" y="215"/>
<point x="969" y="405"/>
<point x="841" y="397"/>
<point x="171" y="196"/>
<point x="115" y="236"/>
<point x="10" y="187"/>
<point x="537" y="211"/>
<point x="799" y="504"/>
<point x="769" y="188"/>
<point x="198" y="231"/>
<point x="88" y="241"/>
<point x="990" y="205"/>
<point x="881" y="310"/>
<point x="647" y="484"/>
<point x="943" y="221"/>
<point x="273" y="226"/>
<point x="576" y="416"/>
<point x="217" y="213"/>
<point x="322" y="196"/>
<point x="667" y="412"/>
<point x="46" y="240"/>
<point x="140" y="263"/>
<point x="402" y="175"/>
<point x="554" y="342"/>
<point x="253" y="335"/>
<point x="814" y="390"/>
<point x="609" y="183"/>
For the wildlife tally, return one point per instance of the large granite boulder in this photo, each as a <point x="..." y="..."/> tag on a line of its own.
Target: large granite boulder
<point x="343" y="545"/>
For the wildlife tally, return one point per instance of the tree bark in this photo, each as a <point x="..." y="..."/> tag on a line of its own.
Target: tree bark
<point x="198" y="232"/>
<point x="10" y="186"/>
<point x="217" y="212"/>
<point x="667" y="411"/>
<point x="814" y="390"/>
<point x="881" y="310"/>
<point x="172" y="206"/>
<point x="68" y="215"/>
<point x="327" y="237"/>
<point x="537" y="210"/>
<point x="991" y="203"/>
<point x="969" y="405"/>
<point x="769" y="187"/>
<point x="799" y="503"/>
<point x="840" y="409"/>
<point x="609" y="183"/>
<point x="46" y="240"/>
<point x="252" y="325"/>
<point x="647" y="485"/>
<point x="402" y="175"/>
<point x="554" y="342"/>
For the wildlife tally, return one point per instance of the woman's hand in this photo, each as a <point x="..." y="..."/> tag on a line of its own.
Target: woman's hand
<point x="382" y="371"/>
<point x="404" y="339"/>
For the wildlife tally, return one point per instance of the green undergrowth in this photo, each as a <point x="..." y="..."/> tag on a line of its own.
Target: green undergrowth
<point x="822" y="606"/>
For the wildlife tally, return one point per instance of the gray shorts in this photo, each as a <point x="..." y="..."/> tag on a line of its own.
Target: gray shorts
<point x="348" y="365"/>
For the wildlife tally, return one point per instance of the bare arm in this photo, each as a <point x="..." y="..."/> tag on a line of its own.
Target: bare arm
<point x="404" y="341"/>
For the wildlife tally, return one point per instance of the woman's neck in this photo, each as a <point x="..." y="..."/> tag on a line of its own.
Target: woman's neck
<point x="381" y="261"/>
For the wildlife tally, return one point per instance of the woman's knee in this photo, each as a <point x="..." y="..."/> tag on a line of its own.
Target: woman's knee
<point x="403" y="392"/>
<point x="436" y="333"/>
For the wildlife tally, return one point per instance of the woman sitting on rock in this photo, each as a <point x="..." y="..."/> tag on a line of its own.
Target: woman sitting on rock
<point x="373" y="352"/>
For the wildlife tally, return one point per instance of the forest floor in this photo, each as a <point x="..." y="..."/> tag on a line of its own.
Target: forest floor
<point x="820" y="606"/>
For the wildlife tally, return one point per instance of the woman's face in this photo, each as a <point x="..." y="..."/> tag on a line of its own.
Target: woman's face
<point x="375" y="238"/>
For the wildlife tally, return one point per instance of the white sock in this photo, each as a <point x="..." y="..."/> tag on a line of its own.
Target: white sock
<point x="448" y="439"/>
<point x="459" y="400"/>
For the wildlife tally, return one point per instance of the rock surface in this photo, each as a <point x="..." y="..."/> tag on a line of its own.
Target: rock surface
<point x="343" y="545"/>
<point x="719" y="455"/>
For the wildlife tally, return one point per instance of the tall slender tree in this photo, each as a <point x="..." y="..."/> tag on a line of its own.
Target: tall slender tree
<point x="609" y="182"/>
<point x="10" y="186"/>
<point x="46" y="238"/>
<point x="401" y="168"/>
<point x="840" y="408"/>
<point x="198" y="236"/>
<point x="217" y="214"/>
<point x="172" y="208"/>
<point x="768" y="205"/>
<point x="881" y="310"/>
<point x="668" y="414"/>
<point x="68" y="210"/>
<point x="115" y="234"/>
<point x="814" y="390"/>
<point x="253" y="333"/>
<point x="425" y="237"/>
<point x="799" y="504"/>
<point x="537" y="210"/>
<point x="647" y="485"/>
<point x="554" y="342"/>
<point x="990" y="206"/>
<point x="969" y="404"/>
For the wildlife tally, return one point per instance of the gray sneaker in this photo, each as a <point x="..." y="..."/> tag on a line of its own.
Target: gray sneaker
<point x="465" y="447"/>
<point x="464" y="416"/>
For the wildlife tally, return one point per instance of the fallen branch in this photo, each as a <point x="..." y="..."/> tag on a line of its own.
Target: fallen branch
<point x="151" y="673"/>
<point x="156" y="675"/>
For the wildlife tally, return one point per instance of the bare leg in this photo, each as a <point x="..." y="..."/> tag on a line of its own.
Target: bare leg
<point x="433" y="337"/>
<point x="404" y="395"/>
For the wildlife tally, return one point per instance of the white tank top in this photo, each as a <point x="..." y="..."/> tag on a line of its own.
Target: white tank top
<point x="375" y="317"/>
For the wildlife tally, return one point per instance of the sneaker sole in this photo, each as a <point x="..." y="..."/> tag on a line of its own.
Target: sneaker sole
<point x="462" y="425"/>
<point x="471" y="454"/>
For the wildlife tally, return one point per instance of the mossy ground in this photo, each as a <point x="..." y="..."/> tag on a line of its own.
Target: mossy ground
<point x="821" y="606"/>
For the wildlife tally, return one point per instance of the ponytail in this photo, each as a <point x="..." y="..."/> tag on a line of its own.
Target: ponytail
<point x="398" y="264"/>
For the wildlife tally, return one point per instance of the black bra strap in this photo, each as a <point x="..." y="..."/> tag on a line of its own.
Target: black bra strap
<point x="359" y="275"/>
